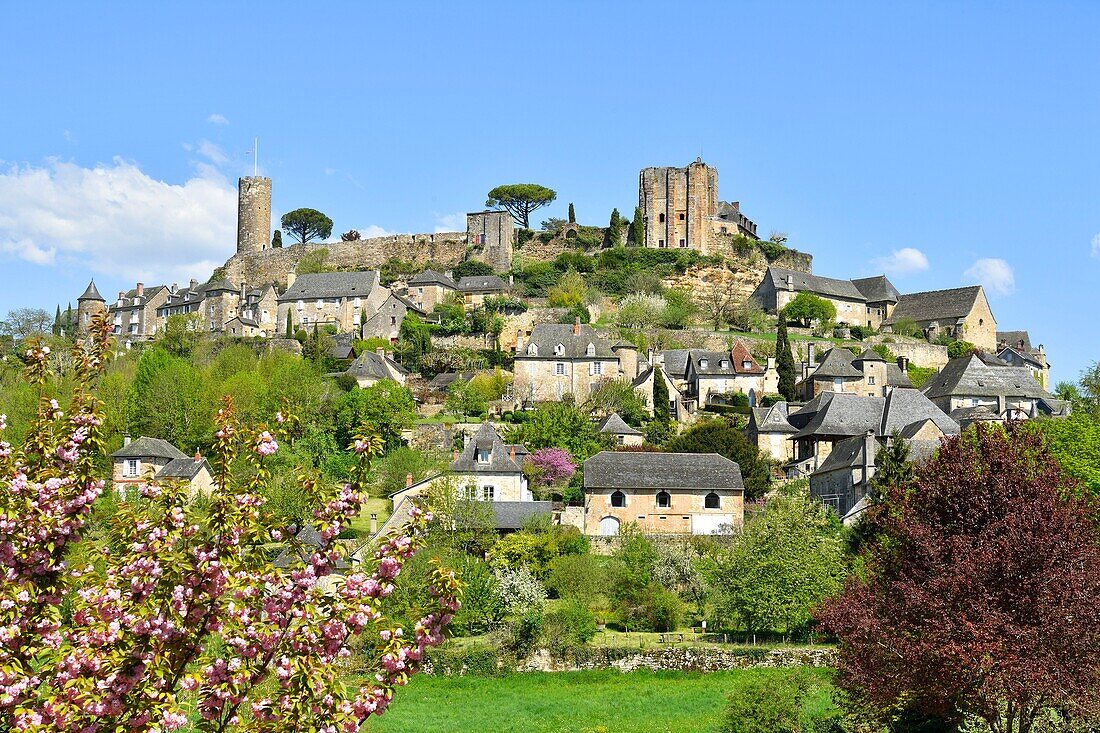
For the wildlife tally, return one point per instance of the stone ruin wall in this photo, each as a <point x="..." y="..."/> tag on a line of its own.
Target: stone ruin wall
<point x="445" y="249"/>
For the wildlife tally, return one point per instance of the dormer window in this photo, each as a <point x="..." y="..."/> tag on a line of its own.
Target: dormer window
<point x="704" y="363"/>
<point x="591" y="350"/>
<point x="483" y="455"/>
<point x="725" y="364"/>
<point x="559" y="349"/>
<point x="532" y="350"/>
<point x="746" y="365"/>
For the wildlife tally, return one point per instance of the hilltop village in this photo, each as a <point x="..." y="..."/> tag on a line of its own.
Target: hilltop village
<point x="646" y="326"/>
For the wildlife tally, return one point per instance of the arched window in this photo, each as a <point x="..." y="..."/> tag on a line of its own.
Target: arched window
<point x="664" y="500"/>
<point x="712" y="501"/>
<point x="532" y="350"/>
<point x="591" y="350"/>
<point x="661" y="218"/>
<point x="618" y="499"/>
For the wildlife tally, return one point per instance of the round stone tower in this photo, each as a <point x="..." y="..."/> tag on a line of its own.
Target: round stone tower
<point x="88" y="305"/>
<point x="253" y="214"/>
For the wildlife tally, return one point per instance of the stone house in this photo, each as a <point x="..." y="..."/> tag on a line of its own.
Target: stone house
<point x="981" y="380"/>
<point x="960" y="313"/>
<point x="782" y="285"/>
<point x="185" y="301"/>
<point x="770" y="431"/>
<point x="88" y="305"/>
<point x="867" y="374"/>
<point x="643" y="386"/>
<point x="244" y="327"/>
<point x="561" y="359"/>
<point x="374" y="366"/>
<point x="152" y="459"/>
<point x="710" y="374"/>
<point x="1015" y="348"/>
<point x="430" y="288"/>
<point x="386" y="321"/>
<point x="134" y="314"/>
<point x="881" y="296"/>
<point x="261" y="306"/>
<point x="476" y="288"/>
<point x="681" y="209"/>
<point x="620" y="432"/>
<point x="662" y="493"/>
<point x="332" y="298"/>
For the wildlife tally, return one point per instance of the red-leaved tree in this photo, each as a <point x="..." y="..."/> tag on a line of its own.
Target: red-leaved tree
<point x="980" y="596"/>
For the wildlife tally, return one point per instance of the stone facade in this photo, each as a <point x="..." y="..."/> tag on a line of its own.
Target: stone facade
<point x="88" y="305"/>
<point x="493" y="232"/>
<point x="560" y="359"/>
<point x="253" y="214"/>
<point x="386" y="322"/>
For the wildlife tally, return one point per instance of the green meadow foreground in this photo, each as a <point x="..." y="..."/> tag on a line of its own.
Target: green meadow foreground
<point x="605" y="701"/>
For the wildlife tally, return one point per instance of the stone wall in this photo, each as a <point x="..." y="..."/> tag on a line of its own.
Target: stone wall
<point x="444" y="249"/>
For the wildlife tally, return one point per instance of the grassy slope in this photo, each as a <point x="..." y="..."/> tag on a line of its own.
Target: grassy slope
<point x="605" y="701"/>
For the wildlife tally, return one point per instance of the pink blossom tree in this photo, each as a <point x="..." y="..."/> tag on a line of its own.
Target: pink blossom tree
<point x="550" y="467"/>
<point x="186" y="620"/>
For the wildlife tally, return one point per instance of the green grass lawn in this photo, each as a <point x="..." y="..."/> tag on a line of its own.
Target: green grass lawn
<point x="373" y="505"/>
<point x="605" y="701"/>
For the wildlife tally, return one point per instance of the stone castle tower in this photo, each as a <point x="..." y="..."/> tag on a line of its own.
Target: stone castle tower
<point x="253" y="214"/>
<point x="88" y="305"/>
<point x="679" y="205"/>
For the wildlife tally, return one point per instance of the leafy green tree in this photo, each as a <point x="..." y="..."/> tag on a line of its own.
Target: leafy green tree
<point x="615" y="229"/>
<point x="723" y="437"/>
<point x="580" y="577"/>
<point x="560" y="425"/>
<point x="570" y="292"/>
<point x="784" y="362"/>
<point x="414" y="342"/>
<point x="57" y="321"/>
<point x="807" y="308"/>
<point x="788" y="559"/>
<point x="780" y="701"/>
<point x="24" y="322"/>
<point x="520" y="199"/>
<point x="312" y="262"/>
<point x="277" y="239"/>
<point x="464" y="400"/>
<point x="615" y="395"/>
<point x="386" y="406"/>
<point x="955" y="349"/>
<point x="907" y="327"/>
<point x="572" y="214"/>
<point x="395" y="466"/>
<point x="472" y="268"/>
<point x="1090" y="388"/>
<point x="637" y="227"/>
<point x="1075" y="443"/>
<point x="305" y="225"/>
<point x="662" y="405"/>
<point x="168" y="400"/>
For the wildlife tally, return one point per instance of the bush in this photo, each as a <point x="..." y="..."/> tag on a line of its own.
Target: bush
<point x="662" y="610"/>
<point x="780" y="701"/>
<point x="568" y="625"/>
<point x="519" y="638"/>
<point x="957" y="349"/>
<point x="908" y="327"/>
<point x="579" y="577"/>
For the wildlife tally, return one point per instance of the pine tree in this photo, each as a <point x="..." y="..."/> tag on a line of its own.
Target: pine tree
<point x="637" y="227"/>
<point x="289" y="327"/>
<point x="69" y="319"/>
<point x="784" y="361"/>
<point x="57" y="321"/>
<point x="572" y="214"/>
<point x="616" y="228"/>
<point x="277" y="239"/>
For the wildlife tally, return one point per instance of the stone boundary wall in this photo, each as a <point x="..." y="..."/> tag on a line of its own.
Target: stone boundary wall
<point x="444" y="249"/>
<point x="667" y="659"/>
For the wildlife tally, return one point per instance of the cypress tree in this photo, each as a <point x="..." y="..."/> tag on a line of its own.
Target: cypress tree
<point x="57" y="321"/>
<point x="616" y="227"/>
<point x="572" y="214"/>
<point x="277" y="239"/>
<point x="289" y="329"/>
<point x="637" y="227"/>
<point x="662" y="412"/>
<point x="784" y="362"/>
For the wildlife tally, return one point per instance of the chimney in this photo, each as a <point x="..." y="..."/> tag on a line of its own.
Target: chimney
<point x="771" y="364"/>
<point x="519" y="340"/>
<point x="450" y="274"/>
<point x="175" y="288"/>
<point x="194" y="283"/>
<point x="381" y="351"/>
<point x="126" y="440"/>
<point x="290" y="278"/>
<point x="408" y="480"/>
<point x="511" y="280"/>
<point x="244" y="293"/>
<point x="577" y="326"/>
<point x="810" y="347"/>
<point x="139" y="290"/>
<point x="868" y="457"/>
<point x="512" y="453"/>
<point x="198" y="456"/>
<point x="373" y="523"/>
<point x="903" y="363"/>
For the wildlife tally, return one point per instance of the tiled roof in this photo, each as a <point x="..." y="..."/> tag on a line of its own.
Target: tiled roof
<point x="500" y="454"/>
<point x="473" y="283"/>
<point x="877" y="289"/>
<point x="182" y="468"/>
<point x="848" y="414"/>
<point x="515" y="514"/>
<point x="836" y="362"/>
<point x="773" y="419"/>
<point x="90" y="293"/>
<point x="145" y="447"/>
<point x="431" y="277"/>
<point x="971" y="376"/>
<point x="896" y="376"/>
<point x="376" y="366"/>
<point x="331" y="285"/>
<point x="815" y="284"/>
<point x="661" y="471"/>
<point x="616" y="426"/>
<point x="947" y="306"/>
<point x="868" y="355"/>
<point x="547" y="336"/>
<point x="676" y="361"/>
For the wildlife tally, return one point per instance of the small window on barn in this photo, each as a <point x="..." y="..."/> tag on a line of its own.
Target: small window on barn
<point x="712" y="501"/>
<point x="664" y="499"/>
<point x="618" y="499"/>
<point x="680" y="216"/>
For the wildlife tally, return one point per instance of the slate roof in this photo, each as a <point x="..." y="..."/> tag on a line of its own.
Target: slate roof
<point x="847" y="453"/>
<point x="935" y="305"/>
<point x="474" y="283"/>
<point x="373" y="365"/>
<point x="970" y="376"/>
<point x="837" y="362"/>
<point x="904" y="407"/>
<point x="849" y="414"/>
<point x="546" y="336"/>
<point x="676" y="361"/>
<point x="773" y="419"/>
<point x="219" y="286"/>
<point x="613" y="470"/>
<point x="877" y="289"/>
<point x="244" y="321"/>
<point x="616" y="426"/>
<point x="431" y="277"/>
<point x="967" y="415"/>
<point x="331" y="285"/>
<point x="145" y="447"/>
<point x="868" y="355"/>
<point x="131" y="295"/>
<point x="90" y="293"/>
<point x="182" y="469"/>
<point x="408" y="303"/>
<point x="1021" y="355"/>
<point x="500" y="454"/>
<point x="514" y="514"/>
<point x="815" y="284"/>
<point x="1013" y="338"/>
<point x="897" y="377"/>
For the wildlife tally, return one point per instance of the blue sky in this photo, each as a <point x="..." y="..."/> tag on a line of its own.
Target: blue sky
<point x="931" y="140"/>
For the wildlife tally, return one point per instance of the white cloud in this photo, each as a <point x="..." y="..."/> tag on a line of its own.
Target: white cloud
<point x="117" y="220"/>
<point x="212" y="152"/>
<point x="994" y="274"/>
<point x="370" y="231"/>
<point x="217" y="119"/>
<point x="450" y="222"/>
<point x="904" y="261"/>
<point x="1096" y="246"/>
